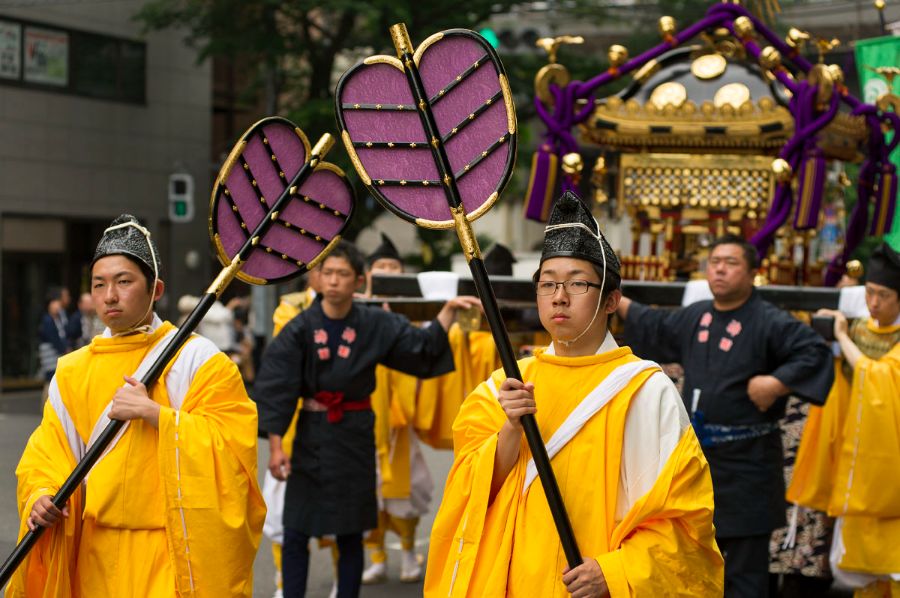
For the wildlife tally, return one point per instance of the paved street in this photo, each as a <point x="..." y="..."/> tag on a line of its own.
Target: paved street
<point x="18" y="417"/>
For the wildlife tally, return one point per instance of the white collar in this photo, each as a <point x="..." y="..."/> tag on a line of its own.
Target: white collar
<point x="154" y="324"/>
<point x="608" y="344"/>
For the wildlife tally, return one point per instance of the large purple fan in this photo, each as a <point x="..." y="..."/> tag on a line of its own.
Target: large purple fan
<point x="465" y="156"/>
<point x="259" y="170"/>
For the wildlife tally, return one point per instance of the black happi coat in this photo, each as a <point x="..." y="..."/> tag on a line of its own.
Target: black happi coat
<point x="331" y="489"/>
<point x="720" y="351"/>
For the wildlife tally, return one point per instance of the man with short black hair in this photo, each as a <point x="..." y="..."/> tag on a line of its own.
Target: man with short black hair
<point x="327" y="355"/>
<point x="631" y="473"/>
<point x="742" y="356"/>
<point x="174" y="497"/>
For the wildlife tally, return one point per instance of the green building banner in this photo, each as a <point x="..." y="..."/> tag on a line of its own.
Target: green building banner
<point x="871" y="54"/>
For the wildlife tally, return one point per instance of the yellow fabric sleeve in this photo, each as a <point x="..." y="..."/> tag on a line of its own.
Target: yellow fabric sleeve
<point x="49" y="569"/>
<point x="666" y="543"/>
<point x="207" y="460"/>
<point x="820" y="446"/>
<point x="867" y="481"/>
<point x="469" y="529"/>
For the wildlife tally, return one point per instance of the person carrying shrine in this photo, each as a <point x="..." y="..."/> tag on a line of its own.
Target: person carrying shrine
<point x="848" y="461"/>
<point x="328" y="355"/>
<point x="173" y="506"/>
<point x="404" y="482"/>
<point x="742" y="356"/>
<point x="631" y="472"/>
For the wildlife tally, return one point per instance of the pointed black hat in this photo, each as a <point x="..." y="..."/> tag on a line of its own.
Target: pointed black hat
<point x="884" y="267"/>
<point x="387" y="250"/>
<point x="572" y="231"/>
<point x="126" y="236"/>
<point x="499" y="260"/>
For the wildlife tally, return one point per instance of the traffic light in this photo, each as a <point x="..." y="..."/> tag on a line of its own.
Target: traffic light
<point x="490" y="36"/>
<point x="181" y="197"/>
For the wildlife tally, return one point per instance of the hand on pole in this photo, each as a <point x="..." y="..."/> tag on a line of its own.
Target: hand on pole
<point x="448" y="313"/>
<point x="133" y="402"/>
<point x="44" y="513"/>
<point x="586" y="580"/>
<point x="517" y="399"/>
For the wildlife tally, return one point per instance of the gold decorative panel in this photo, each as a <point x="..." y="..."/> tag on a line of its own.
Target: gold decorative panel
<point x="707" y="181"/>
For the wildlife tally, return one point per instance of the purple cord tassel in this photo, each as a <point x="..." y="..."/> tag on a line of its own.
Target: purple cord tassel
<point x="541" y="185"/>
<point x="811" y="188"/>
<point x="885" y="199"/>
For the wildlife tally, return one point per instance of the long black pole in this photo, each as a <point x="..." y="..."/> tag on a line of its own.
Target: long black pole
<point x="187" y="328"/>
<point x="485" y="292"/>
<point x="529" y="424"/>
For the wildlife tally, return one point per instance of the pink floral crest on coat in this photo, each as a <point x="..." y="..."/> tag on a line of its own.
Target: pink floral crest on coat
<point x="703" y="336"/>
<point x="725" y="344"/>
<point x="324" y="353"/>
<point x="320" y="337"/>
<point x="734" y="328"/>
<point x="706" y="320"/>
<point x="343" y="352"/>
<point x="349" y="335"/>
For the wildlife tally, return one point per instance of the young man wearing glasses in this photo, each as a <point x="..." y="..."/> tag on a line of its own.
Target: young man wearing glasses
<point x="631" y="472"/>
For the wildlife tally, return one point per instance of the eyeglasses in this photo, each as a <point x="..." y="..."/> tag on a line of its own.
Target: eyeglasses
<point x="574" y="286"/>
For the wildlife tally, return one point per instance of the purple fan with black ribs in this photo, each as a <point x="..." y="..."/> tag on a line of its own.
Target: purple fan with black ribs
<point x="260" y="169"/>
<point x="385" y="130"/>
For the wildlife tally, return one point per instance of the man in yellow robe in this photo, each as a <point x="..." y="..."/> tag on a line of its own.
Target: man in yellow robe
<point x="405" y="484"/>
<point x="848" y="463"/>
<point x="172" y="508"/>
<point x="632" y="475"/>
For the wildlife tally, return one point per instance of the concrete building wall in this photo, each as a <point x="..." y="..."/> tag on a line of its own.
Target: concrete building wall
<point x="69" y="159"/>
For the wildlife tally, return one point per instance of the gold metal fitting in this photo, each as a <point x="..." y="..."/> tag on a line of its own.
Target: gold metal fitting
<point x="400" y="37"/>
<point x="667" y="26"/>
<point x="770" y="58"/>
<point x="820" y="76"/>
<point x="826" y="45"/>
<point x="465" y="233"/>
<point x="323" y="145"/>
<point x="855" y="269"/>
<point x="743" y="27"/>
<point x="783" y="171"/>
<point x="879" y="4"/>
<point x="796" y="38"/>
<point x="837" y="74"/>
<point x="551" y="44"/>
<point x="843" y="179"/>
<point x="617" y="55"/>
<point x="572" y="163"/>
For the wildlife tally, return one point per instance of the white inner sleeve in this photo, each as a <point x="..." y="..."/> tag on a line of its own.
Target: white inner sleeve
<point x="655" y="422"/>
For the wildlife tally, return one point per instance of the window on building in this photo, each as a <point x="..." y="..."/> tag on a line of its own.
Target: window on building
<point x="88" y="64"/>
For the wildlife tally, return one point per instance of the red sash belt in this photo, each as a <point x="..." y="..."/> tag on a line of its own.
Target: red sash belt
<point x="333" y="403"/>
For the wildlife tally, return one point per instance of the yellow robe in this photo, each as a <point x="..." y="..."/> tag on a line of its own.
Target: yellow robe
<point x="439" y="399"/>
<point x="170" y="512"/>
<point x="394" y="405"/>
<point x="849" y="459"/>
<point x="664" y="545"/>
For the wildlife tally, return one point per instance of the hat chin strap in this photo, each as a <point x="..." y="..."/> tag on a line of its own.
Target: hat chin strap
<point x="567" y="343"/>
<point x="145" y="328"/>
